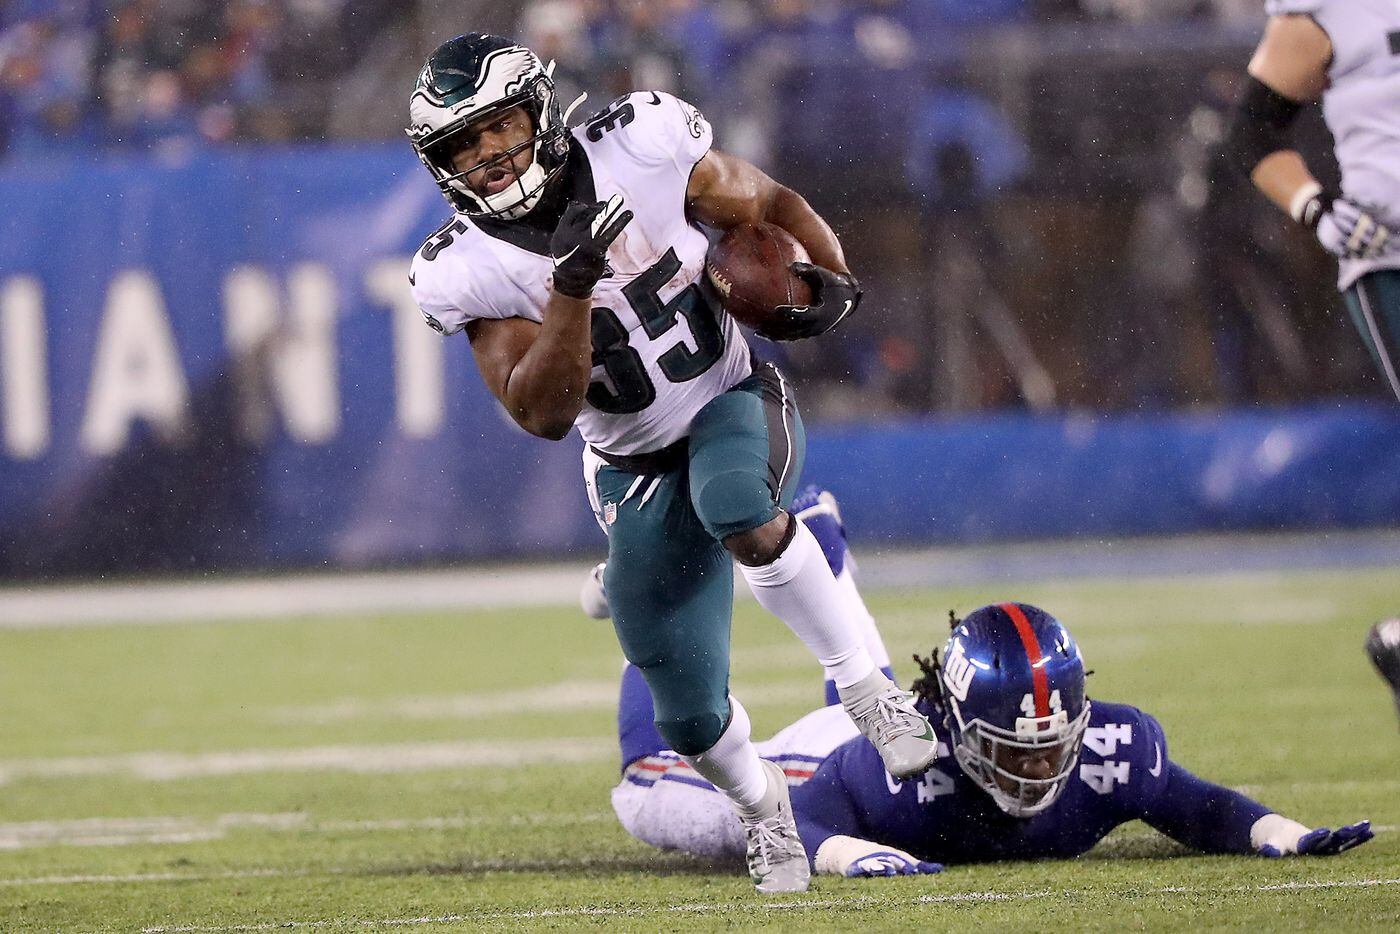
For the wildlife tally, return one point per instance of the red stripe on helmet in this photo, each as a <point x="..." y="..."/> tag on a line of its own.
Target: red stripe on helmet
<point x="1033" y="655"/>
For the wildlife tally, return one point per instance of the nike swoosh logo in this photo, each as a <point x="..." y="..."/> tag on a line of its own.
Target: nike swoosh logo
<point x="559" y="260"/>
<point x="412" y="280"/>
<point x="655" y="99"/>
<point x="1156" y="770"/>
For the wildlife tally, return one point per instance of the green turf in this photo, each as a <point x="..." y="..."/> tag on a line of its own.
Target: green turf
<point x="1259" y="681"/>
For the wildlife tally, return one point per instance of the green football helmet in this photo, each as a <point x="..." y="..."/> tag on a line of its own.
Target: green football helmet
<point x="472" y="77"/>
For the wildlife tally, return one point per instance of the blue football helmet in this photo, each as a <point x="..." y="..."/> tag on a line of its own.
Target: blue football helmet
<point x="1014" y="705"/>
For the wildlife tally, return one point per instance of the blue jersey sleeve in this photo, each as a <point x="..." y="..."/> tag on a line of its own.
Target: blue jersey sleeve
<point x="823" y="807"/>
<point x="1190" y="810"/>
<point x="1202" y="815"/>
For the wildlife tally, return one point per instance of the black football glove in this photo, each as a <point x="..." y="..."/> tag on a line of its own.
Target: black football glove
<point x="835" y="295"/>
<point x="580" y="244"/>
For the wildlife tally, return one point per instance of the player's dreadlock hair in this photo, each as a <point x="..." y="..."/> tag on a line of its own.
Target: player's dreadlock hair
<point x="928" y="687"/>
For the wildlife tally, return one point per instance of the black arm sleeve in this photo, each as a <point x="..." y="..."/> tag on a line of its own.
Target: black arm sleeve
<point x="1259" y="126"/>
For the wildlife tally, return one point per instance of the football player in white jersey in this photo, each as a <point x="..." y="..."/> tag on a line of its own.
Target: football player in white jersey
<point x="574" y="263"/>
<point x="1347" y="53"/>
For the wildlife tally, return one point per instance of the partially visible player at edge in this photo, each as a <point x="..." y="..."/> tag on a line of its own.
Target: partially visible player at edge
<point x="1346" y="52"/>
<point x="574" y="264"/>
<point x="1383" y="649"/>
<point x="1028" y="766"/>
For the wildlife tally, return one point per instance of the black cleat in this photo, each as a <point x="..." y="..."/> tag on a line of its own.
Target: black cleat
<point x="1383" y="648"/>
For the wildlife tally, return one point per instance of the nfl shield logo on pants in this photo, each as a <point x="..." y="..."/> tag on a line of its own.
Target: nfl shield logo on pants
<point x="609" y="513"/>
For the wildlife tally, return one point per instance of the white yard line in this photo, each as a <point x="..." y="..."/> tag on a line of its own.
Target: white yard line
<point x="1350" y="784"/>
<point x="133" y="831"/>
<point x="567" y="695"/>
<point x="153" y="603"/>
<point x="137" y="831"/>
<point x="796" y="904"/>
<point x="558" y="584"/>
<point x="396" y="757"/>
<point x="119" y="879"/>
<point x="549" y="698"/>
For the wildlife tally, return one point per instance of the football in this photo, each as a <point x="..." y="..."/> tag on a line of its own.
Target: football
<point x="749" y="268"/>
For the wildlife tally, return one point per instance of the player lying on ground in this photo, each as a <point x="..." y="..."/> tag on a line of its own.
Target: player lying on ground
<point x="574" y="263"/>
<point x="1028" y="768"/>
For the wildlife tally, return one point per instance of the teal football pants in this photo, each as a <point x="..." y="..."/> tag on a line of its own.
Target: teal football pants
<point x="1374" y="303"/>
<point x="669" y="578"/>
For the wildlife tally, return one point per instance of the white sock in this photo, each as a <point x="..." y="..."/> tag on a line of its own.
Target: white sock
<point x="799" y="589"/>
<point x="856" y="607"/>
<point x="732" y="764"/>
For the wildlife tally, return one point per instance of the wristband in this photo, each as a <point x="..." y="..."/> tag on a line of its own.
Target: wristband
<point x="839" y="851"/>
<point x="1309" y="204"/>
<point x="1276" y="831"/>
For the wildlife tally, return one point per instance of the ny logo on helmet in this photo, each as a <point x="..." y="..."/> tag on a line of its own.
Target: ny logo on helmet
<point x="958" y="671"/>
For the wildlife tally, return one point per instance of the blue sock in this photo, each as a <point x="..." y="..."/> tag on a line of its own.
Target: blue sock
<point x="832" y="697"/>
<point x="636" y="731"/>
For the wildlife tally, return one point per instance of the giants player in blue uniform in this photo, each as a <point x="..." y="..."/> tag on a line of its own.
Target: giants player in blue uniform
<point x="1028" y="768"/>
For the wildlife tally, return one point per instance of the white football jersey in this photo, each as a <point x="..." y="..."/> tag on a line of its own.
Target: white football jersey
<point x="662" y="345"/>
<point x="1362" y="105"/>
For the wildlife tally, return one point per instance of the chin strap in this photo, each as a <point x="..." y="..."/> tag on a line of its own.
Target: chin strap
<point x="530" y="185"/>
<point x="568" y="111"/>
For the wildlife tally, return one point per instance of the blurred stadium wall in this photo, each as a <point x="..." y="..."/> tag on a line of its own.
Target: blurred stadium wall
<point x="209" y="357"/>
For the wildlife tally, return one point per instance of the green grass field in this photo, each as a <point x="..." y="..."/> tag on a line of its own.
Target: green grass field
<point x="451" y="772"/>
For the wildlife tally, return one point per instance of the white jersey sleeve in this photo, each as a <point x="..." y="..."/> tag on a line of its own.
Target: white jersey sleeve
<point x="454" y="285"/>
<point x="1285" y="7"/>
<point x="1361" y="32"/>
<point x="662" y="132"/>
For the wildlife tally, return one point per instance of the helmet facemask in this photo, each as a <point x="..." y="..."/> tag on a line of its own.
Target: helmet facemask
<point x="547" y="146"/>
<point x="989" y="755"/>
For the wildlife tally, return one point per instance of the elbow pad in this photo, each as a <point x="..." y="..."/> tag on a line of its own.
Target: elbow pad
<point x="1259" y="126"/>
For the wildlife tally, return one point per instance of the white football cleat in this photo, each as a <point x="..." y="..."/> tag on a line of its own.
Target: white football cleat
<point x="887" y="717"/>
<point x="593" y="598"/>
<point x="776" y="858"/>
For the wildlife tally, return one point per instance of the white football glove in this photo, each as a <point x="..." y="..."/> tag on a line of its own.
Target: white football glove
<point x="1276" y="835"/>
<point x="1343" y="227"/>
<point x="593" y="598"/>
<point x="853" y="857"/>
